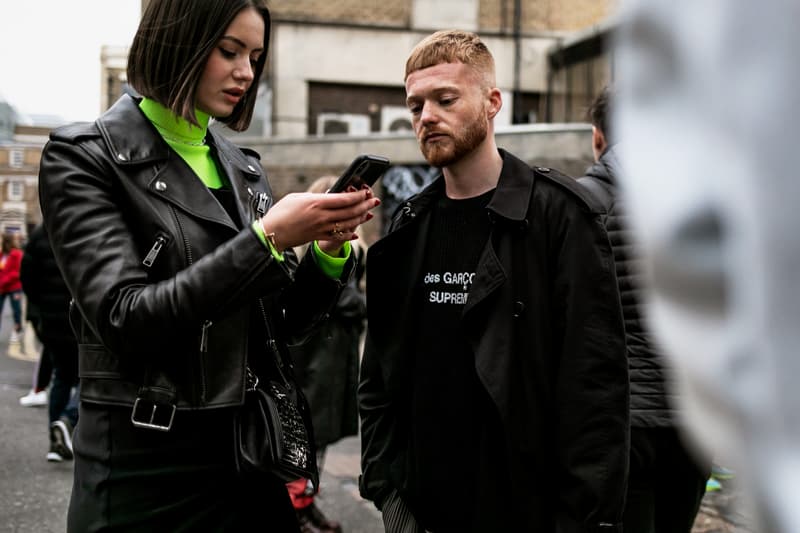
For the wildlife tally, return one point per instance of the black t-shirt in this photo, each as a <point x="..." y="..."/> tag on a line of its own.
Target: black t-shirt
<point x="455" y="437"/>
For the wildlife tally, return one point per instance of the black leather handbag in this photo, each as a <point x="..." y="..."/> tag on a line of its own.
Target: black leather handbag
<point x="271" y="434"/>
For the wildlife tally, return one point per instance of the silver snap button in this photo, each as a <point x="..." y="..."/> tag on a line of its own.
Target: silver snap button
<point x="161" y="186"/>
<point x="121" y="157"/>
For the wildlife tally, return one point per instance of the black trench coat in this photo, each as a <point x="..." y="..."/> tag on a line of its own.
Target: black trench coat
<point x="545" y="325"/>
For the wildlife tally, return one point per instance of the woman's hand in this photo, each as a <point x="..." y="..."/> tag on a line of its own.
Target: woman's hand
<point x="330" y="219"/>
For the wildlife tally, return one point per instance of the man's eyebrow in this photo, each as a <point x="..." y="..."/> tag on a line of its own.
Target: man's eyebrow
<point x="435" y="92"/>
<point x="239" y="42"/>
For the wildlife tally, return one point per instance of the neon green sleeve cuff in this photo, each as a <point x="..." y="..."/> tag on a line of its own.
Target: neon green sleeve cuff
<point x="332" y="266"/>
<point x="263" y="238"/>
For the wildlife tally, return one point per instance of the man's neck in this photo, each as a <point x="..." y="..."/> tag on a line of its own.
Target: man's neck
<point x="475" y="173"/>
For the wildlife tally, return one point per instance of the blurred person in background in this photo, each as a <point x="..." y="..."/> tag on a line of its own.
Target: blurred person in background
<point x="10" y="286"/>
<point x="326" y="367"/>
<point x="42" y="372"/>
<point x="710" y="164"/>
<point x="667" y="479"/>
<point x="47" y="293"/>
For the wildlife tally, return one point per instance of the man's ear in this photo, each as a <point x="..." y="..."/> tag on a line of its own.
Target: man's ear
<point x="599" y="143"/>
<point x="494" y="102"/>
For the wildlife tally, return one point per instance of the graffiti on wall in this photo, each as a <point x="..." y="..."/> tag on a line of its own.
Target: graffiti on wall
<point x="401" y="182"/>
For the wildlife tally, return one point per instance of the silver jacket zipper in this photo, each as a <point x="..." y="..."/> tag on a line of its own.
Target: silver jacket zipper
<point x="204" y="336"/>
<point x="151" y="256"/>
<point x="263" y="203"/>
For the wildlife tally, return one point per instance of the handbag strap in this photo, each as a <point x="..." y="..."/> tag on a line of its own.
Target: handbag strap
<point x="281" y="364"/>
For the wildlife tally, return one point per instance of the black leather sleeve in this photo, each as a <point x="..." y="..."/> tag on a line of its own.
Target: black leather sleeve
<point x="91" y="229"/>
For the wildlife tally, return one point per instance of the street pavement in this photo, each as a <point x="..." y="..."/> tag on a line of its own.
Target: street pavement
<point x="34" y="494"/>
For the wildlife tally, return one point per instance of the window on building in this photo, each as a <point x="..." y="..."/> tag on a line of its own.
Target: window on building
<point x="356" y="109"/>
<point x="16" y="191"/>
<point x="16" y="158"/>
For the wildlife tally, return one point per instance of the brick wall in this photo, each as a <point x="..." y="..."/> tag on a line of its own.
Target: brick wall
<point x="494" y="15"/>
<point x="383" y="12"/>
<point x="543" y="15"/>
<point x="576" y="14"/>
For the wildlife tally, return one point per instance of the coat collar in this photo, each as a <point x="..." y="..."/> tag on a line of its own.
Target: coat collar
<point x="131" y="139"/>
<point x="510" y="200"/>
<point x="607" y="168"/>
<point x="514" y="189"/>
<point x="134" y="143"/>
<point x="129" y="136"/>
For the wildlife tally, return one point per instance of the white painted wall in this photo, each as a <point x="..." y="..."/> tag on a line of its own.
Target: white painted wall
<point x="461" y="14"/>
<point x="304" y="53"/>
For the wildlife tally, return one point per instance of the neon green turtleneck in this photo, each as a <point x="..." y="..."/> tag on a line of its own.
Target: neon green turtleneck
<point x="186" y="139"/>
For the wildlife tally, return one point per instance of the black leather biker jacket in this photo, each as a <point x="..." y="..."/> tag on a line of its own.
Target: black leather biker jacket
<point x="165" y="284"/>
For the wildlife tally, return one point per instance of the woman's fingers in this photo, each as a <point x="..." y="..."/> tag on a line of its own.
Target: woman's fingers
<point x="342" y="200"/>
<point x="302" y="217"/>
<point x="349" y="225"/>
<point x="346" y="219"/>
<point x="349" y="206"/>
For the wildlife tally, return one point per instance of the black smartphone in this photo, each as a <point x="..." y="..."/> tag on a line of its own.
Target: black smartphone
<point x="364" y="170"/>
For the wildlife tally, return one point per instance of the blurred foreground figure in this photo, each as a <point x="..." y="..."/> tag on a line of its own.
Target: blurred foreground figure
<point x="712" y="122"/>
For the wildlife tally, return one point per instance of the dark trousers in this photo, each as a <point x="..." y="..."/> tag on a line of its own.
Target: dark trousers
<point x="64" y="357"/>
<point x="62" y="402"/>
<point x="15" y="299"/>
<point x="666" y="483"/>
<point x="44" y="372"/>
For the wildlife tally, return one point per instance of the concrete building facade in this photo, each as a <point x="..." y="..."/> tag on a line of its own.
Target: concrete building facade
<point x="321" y="88"/>
<point x="333" y="87"/>
<point x="337" y="67"/>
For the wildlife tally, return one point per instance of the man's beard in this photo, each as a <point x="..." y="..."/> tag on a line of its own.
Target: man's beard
<point x="443" y="153"/>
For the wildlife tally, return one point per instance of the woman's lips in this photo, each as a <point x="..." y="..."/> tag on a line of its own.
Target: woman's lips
<point x="233" y="95"/>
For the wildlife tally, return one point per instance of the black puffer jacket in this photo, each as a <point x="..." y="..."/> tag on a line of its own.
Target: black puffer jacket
<point x="167" y="284"/>
<point x="44" y="287"/>
<point x="651" y="393"/>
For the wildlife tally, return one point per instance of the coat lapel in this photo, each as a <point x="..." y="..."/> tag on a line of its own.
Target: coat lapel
<point x="508" y="209"/>
<point x="132" y="141"/>
<point x="489" y="275"/>
<point x="244" y="178"/>
<point x="176" y="183"/>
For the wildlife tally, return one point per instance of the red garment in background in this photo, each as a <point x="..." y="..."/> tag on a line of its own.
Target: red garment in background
<point x="9" y="271"/>
<point x="297" y="492"/>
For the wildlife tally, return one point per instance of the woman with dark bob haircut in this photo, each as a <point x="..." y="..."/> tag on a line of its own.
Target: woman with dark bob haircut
<point x="186" y="291"/>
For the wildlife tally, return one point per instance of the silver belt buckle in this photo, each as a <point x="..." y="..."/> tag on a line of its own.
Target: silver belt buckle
<point x="140" y="406"/>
